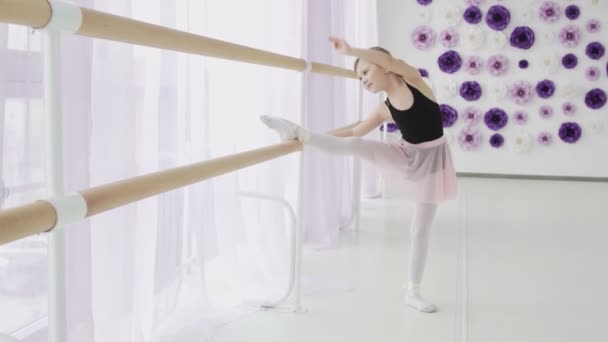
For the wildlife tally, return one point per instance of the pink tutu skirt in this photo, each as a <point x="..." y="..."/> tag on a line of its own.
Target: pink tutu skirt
<point x="422" y="172"/>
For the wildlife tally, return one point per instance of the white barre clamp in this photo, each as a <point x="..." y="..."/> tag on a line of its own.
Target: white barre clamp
<point x="308" y="66"/>
<point x="69" y="209"/>
<point x="65" y="16"/>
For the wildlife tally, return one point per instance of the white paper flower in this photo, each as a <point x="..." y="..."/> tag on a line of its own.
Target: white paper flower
<point x="450" y="14"/>
<point x="597" y="127"/>
<point x="528" y="14"/>
<point x="568" y="91"/>
<point x="497" y="40"/>
<point x="521" y="142"/>
<point x="549" y="62"/>
<point x="424" y="14"/>
<point x="497" y="91"/>
<point x="472" y="37"/>
<point x="546" y="36"/>
<point x="449" y="137"/>
<point x="448" y="89"/>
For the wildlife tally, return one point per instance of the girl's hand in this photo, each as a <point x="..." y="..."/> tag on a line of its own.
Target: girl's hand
<point x="340" y="45"/>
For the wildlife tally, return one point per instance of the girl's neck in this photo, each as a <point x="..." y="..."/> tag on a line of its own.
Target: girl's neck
<point x="395" y="87"/>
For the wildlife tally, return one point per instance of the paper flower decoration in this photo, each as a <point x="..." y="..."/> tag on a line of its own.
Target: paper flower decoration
<point x="423" y="37"/>
<point x="569" y="36"/>
<point x="597" y="126"/>
<point x="568" y="108"/>
<point x="473" y="65"/>
<point x="497" y="90"/>
<point x="569" y="61"/>
<point x="498" y="17"/>
<point x="495" y="118"/>
<point x="549" y="11"/>
<point x="424" y="2"/>
<point x="545" y="111"/>
<point x="450" y="15"/>
<point x="424" y="15"/>
<point x="549" y="63"/>
<point x="469" y="138"/>
<point x="545" y="89"/>
<point x="449" y="62"/>
<point x="472" y="37"/>
<point x="520" y="117"/>
<point x="593" y="26"/>
<point x="547" y="36"/>
<point x="522" y="37"/>
<point x="472" y="15"/>
<point x="471" y="116"/>
<point x="470" y="91"/>
<point x="570" y="132"/>
<point x="523" y="64"/>
<point x="521" y="92"/>
<point x="545" y="138"/>
<point x="448" y="88"/>
<point x="592" y="73"/>
<point x="595" y="50"/>
<point x="448" y="38"/>
<point x="497" y="40"/>
<point x="497" y="140"/>
<point x="595" y="98"/>
<point x="449" y="115"/>
<point x="521" y="142"/>
<point x="572" y="12"/>
<point x="497" y="65"/>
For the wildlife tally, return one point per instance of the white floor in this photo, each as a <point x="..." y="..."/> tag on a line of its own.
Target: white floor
<point x="533" y="267"/>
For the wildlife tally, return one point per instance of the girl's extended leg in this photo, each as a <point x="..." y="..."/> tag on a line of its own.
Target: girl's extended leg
<point x="420" y="230"/>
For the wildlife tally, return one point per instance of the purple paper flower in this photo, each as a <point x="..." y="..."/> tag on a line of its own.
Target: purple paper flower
<point x="497" y="140"/>
<point x="423" y="72"/>
<point x="522" y="37"/>
<point x="520" y="117"/>
<point x="498" y="17"/>
<point x="390" y="127"/>
<point x="545" y="138"/>
<point x="545" y="111"/>
<point x="473" y="65"/>
<point x="423" y="37"/>
<point x="569" y="36"/>
<point x="472" y="15"/>
<point x="495" y="118"/>
<point x="595" y="98"/>
<point x="595" y="50"/>
<point x="424" y="2"/>
<point x="469" y="138"/>
<point x="470" y="91"/>
<point x="449" y="62"/>
<point x="569" y="61"/>
<point x="592" y="73"/>
<point x="545" y="89"/>
<point x="523" y="64"/>
<point x="497" y="65"/>
<point x="549" y="11"/>
<point x="449" y="115"/>
<point x="521" y="92"/>
<point x="570" y="132"/>
<point x="471" y="116"/>
<point x="593" y="26"/>
<point x="568" y="108"/>
<point x="448" y="37"/>
<point x="572" y="12"/>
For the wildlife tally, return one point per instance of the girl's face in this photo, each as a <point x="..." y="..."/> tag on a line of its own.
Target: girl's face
<point x="373" y="78"/>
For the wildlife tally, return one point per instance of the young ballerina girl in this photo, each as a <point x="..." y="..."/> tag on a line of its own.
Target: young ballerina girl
<point x="420" y="164"/>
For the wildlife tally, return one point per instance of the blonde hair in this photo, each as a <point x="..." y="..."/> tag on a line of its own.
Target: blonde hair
<point x="377" y="48"/>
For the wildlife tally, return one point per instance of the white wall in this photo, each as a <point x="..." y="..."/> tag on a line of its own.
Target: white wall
<point x="587" y="158"/>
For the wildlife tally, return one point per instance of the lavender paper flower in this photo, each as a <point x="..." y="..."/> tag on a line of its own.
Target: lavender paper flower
<point x="572" y="12"/>
<point x="449" y="115"/>
<point x="470" y="91"/>
<point x="424" y="2"/>
<point x="549" y="11"/>
<point x="423" y="72"/>
<point x="569" y="61"/>
<point x="521" y="92"/>
<point x="545" y="138"/>
<point x="595" y="50"/>
<point x="545" y="89"/>
<point x="448" y="37"/>
<point x="570" y="132"/>
<point x="498" y="17"/>
<point x="469" y="138"/>
<point x="423" y="37"/>
<point x="568" y="108"/>
<point x="569" y="36"/>
<point x="471" y="116"/>
<point x="592" y="73"/>
<point x="595" y="98"/>
<point x="520" y="117"/>
<point x="497" y="65"/>
<point x="497" y="140"/>
<point x="545" y="111"/>
<point x="472" y="15"/>
<point x="523" y="64"/>
<point x="473" y="65"/>
<point x="495" y="118"/>
<point x="522" y="37"/>
<point x="449" y="62"/>
<point x="593" y="26"/>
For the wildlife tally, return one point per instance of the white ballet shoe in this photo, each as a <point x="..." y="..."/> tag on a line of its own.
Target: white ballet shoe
<point x="419" y="304"/>
<point x="287" y="130"/>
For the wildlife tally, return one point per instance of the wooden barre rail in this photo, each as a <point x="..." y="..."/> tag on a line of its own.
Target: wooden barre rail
<point x="40" y="216"/>
<point x="95" y="24"/>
